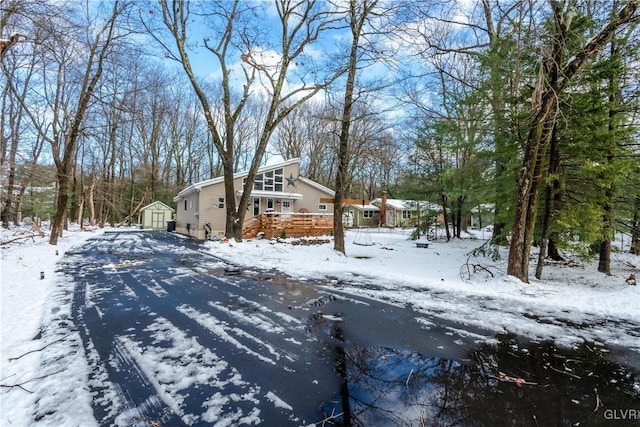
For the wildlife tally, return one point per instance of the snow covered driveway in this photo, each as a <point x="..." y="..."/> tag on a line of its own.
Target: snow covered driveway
<point x="149" y="327"/>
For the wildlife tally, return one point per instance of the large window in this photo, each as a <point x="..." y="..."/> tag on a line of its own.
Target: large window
<point x="269" y="180"/>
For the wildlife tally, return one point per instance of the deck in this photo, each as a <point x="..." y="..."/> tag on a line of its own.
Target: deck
<point x="280" y="224"/>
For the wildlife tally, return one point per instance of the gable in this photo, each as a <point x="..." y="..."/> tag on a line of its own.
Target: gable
<point x="238" y="177"/>
<point x="157" y="205"/>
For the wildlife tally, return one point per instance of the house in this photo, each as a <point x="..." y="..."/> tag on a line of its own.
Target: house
<point x="293" y="204"/>
<point x="405" y="213"/>
<point x="155" y="215"/>
<point x="361" y="215"/>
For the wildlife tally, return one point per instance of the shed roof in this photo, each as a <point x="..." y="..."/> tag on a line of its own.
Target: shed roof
<point x="157" y="204"/>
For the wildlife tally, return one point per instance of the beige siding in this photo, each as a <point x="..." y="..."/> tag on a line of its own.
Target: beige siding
<point x="311" y="199"/>
<point x="186" y="215"/>
<point x="209" y="210"/>
<point x="208" y="195"/>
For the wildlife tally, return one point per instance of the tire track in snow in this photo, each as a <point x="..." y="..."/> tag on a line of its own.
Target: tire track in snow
<point x="152" y="361"/>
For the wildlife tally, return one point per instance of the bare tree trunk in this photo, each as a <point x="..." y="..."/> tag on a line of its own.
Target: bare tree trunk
<point x="554" y="163"/>
<point x="91" y="202"/>
<point x="14" y="124"/>
<point x="83" y="195"/>
<point x="526" y="211"/>
<point x="97" y="54"/>
<point x="615" y="96"/>
<point x="604" y="258"/>
<point x="358" y="15"/>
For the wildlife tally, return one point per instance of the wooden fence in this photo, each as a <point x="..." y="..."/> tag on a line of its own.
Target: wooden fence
<point x="280" y="224"/>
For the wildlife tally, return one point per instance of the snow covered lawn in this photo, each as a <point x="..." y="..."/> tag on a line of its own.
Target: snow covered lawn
<point x="26" y="304"/>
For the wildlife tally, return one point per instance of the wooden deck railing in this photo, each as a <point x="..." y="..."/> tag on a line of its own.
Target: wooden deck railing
<point x="288" y="225"/>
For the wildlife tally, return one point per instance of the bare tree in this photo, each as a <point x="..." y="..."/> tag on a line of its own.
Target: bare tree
<point x="67" y="125"/>
<point x="238" y="41"/>
<point x="310" y="133"/>
<point x="358" y="16"/>
<point x="8" y="10"/>
<point x="18" y="70"/>
<point x="14" y="96"/>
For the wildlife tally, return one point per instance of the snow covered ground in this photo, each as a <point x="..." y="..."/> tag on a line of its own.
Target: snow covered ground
<point x="571" y="304"/>
<point x="26" y="301"/>
<point x="440" y="280"/>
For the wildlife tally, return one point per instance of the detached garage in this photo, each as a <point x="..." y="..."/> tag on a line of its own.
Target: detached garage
<point x="155" y="216"/>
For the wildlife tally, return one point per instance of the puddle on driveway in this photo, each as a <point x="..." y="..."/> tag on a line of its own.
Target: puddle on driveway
<point x="393" y="372"/>
<point x="408" y="377"/>
<point x="508" y="383"/>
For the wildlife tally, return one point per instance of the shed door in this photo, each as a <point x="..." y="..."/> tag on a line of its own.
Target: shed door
<point x="157" y="220"/>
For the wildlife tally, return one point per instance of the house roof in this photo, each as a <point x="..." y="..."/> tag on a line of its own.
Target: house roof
<point x="157" y="202"/>
<point x="199" y="185"/>
<point x="317" y="186"/>
<point x="408" y="205"/>
<point x="368" y="207"/>
<point x="217" y="180"/>
<point x="274" y="194"/>
<point x="485" y="207"/>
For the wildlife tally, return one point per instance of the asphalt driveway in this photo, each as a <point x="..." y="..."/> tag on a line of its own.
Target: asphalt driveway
<point x="175" y="336"/>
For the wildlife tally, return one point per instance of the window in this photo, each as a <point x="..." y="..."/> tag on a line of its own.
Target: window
<point x="185" y="205"/>
<point x="406" y="214"/>
<point x="278" y="178"/>
<point x="269" y="180"/>
<point x="269" y="203"/>
<point x="367" y="214"/>
<point x="322" y="207"/>
<point x="221" y="202"/>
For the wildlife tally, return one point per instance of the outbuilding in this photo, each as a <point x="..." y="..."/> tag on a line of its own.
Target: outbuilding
<point x="155" y="215"/>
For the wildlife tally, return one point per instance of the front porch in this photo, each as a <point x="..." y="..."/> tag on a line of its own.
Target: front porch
<point x="276" y="224"/>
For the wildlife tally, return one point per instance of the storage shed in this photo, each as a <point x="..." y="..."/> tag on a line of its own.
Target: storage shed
<point x="155" y="215"/>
